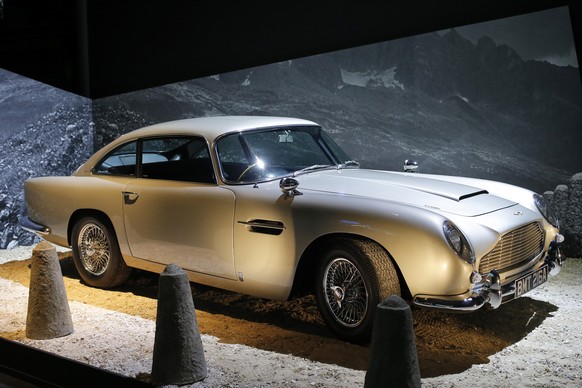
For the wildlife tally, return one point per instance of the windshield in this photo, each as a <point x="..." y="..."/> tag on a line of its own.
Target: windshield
<point x="273" y="153"/>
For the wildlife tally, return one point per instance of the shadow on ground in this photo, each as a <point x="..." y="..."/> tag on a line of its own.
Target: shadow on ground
<point x="446" y="343"/>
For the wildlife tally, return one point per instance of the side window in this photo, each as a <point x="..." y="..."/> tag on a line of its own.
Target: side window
<point x="177" y="158"/>
<point x="121" y="161"/>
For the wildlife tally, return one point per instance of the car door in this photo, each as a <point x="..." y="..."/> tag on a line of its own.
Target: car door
<point x="175" y="213"/>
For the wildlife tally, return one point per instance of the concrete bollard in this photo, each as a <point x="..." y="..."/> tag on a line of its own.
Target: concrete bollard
<point x="178" y="354"/>
<point x="393" y="357"/>
<point x="48" y="313"/>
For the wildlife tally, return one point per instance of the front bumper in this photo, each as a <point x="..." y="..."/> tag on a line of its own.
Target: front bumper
<point x="489" y="292"/>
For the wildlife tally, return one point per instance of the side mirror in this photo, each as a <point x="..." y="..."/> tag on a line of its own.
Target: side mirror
<point x="410" y="165"/>
<point x="288" y="186"/>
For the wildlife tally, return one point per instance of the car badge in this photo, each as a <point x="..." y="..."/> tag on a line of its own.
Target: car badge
<point x="518" y="213"/>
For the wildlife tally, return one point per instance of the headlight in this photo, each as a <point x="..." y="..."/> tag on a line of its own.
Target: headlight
<point x="458" y="242"/>
<point x="546" y="209"/>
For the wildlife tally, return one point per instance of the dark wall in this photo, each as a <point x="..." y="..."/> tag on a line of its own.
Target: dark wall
<point x="99" y="48"/>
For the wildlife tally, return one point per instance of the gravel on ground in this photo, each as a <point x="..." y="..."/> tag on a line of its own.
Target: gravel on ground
<point x="546" y="355"/>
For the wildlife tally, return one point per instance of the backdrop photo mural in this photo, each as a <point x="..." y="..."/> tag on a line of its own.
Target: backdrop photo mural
<point x="43" y="131"/>
<point x="490" y="101"/>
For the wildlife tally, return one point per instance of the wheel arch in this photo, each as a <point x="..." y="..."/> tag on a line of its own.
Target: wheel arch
<point x="115" y="270"/>
<point x="80" y="213"/>
<point x="305" y="274"/>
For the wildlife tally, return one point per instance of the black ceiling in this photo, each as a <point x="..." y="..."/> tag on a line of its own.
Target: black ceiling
<point x="98" y="48"/>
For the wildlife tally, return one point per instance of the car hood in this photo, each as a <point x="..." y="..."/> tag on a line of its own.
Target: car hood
<point x="418" y="190"/>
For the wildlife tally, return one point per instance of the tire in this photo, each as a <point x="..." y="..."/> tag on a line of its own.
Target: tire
<point x="349" y="308"/>
<point x="96" y="253"/>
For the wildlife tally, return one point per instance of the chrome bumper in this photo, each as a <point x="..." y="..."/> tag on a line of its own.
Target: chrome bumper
<point x="489" y="292"/>
<point x="31" y="226"/>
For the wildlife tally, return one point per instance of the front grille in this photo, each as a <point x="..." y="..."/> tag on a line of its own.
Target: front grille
<point x="516" y="247"/>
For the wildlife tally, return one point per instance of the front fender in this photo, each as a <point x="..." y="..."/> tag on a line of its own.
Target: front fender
<point x="412" y="236"/>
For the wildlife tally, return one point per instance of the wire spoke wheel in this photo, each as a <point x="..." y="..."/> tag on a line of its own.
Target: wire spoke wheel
<point x="345" y="292"/>
<point x="94" y="249"/>
<point x="353" y="276"/>
<point x="96" y="253"/>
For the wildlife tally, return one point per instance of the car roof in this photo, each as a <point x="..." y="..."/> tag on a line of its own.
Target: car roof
<point x="208" y="127"/>
<point x="212" y="127"/>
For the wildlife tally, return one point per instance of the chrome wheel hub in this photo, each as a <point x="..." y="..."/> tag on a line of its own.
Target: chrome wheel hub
<point x="345" y="292"/>
<point x="94" y="250"/>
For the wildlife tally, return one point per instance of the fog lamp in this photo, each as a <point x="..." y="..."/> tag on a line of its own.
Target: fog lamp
<point x="476" y="277"/>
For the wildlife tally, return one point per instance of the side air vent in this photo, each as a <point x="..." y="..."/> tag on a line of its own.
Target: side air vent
<point x="264" y="226"/>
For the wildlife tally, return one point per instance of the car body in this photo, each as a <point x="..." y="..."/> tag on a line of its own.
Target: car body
<point x="259" y="204"/>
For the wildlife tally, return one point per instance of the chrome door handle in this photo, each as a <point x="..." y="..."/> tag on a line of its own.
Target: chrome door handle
<point x="130" y="197"/>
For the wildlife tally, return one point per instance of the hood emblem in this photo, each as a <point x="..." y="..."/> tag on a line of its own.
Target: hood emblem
<point x="518" y="213"/>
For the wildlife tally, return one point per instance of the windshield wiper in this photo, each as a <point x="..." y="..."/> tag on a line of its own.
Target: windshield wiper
<point x="348" y="163"/>
<point x="313" y="168"/>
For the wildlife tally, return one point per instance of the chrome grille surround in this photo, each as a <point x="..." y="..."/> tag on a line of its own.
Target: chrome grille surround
<point x="516" y="247"/>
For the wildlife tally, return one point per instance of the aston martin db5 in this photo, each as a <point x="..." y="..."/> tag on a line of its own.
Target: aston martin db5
<point x="258" y="205"/>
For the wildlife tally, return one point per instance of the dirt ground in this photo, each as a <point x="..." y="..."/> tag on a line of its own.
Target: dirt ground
<point x="446" y="343"/>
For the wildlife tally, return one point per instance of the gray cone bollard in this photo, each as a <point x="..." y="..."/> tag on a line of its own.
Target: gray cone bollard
<point x="48" y="314"/>
<point x="178" y="357"/>
<point x="393" y="357"/>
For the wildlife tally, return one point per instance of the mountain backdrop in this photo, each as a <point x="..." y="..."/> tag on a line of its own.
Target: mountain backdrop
<point x="456" y="107"/>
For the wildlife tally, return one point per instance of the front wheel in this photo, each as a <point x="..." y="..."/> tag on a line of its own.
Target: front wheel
<point x="353" y="277"/>
<point x="96" y="254"/>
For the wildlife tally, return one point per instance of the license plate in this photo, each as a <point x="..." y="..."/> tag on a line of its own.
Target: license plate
<point x="531" y="281"/>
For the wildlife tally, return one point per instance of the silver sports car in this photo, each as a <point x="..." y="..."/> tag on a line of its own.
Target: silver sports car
<point x="259" y="205"/>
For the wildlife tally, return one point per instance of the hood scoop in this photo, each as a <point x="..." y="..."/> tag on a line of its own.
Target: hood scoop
<point x="467" y="196"/>
<point x="456" y="192"/>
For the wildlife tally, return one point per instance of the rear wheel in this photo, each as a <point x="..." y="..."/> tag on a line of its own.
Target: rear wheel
<point x="353" y="277"/>
<point x="96" y="253"/>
